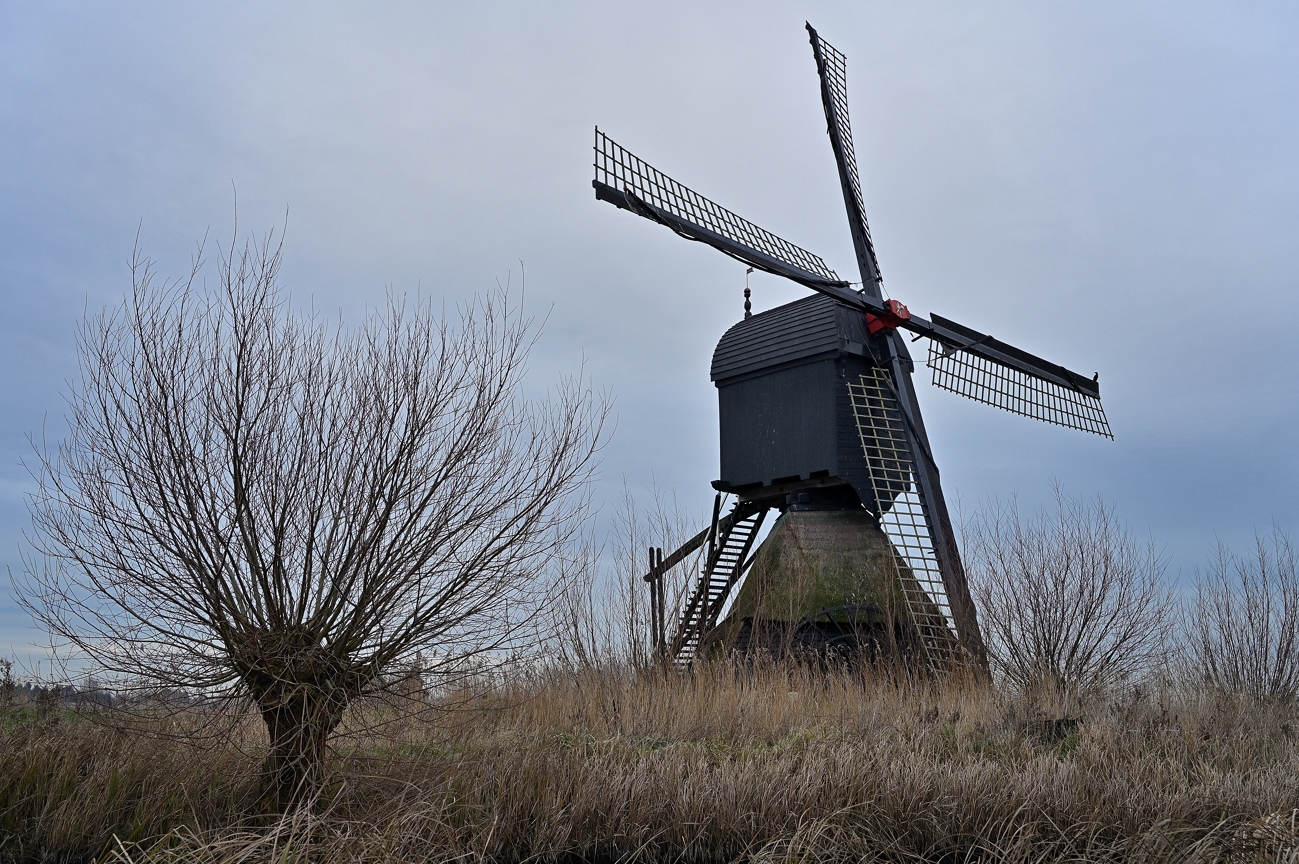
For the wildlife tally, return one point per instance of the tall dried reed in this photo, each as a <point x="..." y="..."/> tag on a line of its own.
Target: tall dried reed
<point x="732" y="763"/>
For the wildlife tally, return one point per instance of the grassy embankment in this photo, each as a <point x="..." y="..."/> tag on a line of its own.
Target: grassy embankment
<point x="715" y="767"/>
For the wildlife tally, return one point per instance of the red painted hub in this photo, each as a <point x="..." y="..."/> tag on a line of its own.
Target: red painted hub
<point x="892" y="320"/>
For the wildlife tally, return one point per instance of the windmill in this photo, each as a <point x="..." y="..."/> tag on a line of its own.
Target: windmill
<point x="818" y="414"/>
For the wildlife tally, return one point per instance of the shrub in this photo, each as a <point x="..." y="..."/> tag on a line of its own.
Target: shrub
<point x="1242" y="630"/>
<point x="1069" y="600"/>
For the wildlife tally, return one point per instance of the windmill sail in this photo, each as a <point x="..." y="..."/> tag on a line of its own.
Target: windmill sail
<point x="907" y="521"/>
<point x="893" y="436"/>
<point x="1010" y="389"/>
<point x="994" y="373"/>
<point x="833" y="69"/>
<point x="631" y="183"/>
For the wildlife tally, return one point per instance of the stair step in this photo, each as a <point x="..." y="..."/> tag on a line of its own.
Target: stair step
<point x="721" y="572"/>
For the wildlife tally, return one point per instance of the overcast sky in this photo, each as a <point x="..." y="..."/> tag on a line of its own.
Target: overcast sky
<point x="1113" y="186"/>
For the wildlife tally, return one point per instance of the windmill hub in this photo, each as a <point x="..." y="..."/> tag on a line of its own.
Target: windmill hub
<point x="819" y="420"/>
<point x="896" y="316"/>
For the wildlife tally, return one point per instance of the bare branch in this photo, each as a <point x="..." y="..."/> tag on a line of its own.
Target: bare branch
<point x="1068" y="600"/>
<point x="1242" y="630"/>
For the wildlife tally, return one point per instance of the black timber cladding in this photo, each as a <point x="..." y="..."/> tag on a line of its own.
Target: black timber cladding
<point x="784" y="412"/>
<point x="779" y="425"/>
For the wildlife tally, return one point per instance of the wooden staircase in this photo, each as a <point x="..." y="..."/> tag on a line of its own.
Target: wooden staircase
<point x="729" y="541"/>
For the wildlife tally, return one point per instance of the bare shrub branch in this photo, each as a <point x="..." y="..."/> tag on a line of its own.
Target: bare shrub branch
<point x="605" y="616"/>
<point x="1242" y="630"/>
<point x="1069" y="600"/>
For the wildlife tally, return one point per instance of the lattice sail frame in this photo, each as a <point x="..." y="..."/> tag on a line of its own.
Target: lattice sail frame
<point x="619" y="168"/>
<point x="907" y="521"/>
<point x="834" y="71"/>
<point x="992" y="383"/>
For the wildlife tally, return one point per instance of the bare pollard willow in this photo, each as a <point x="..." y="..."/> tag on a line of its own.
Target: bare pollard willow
<point x="1069" y="600"/>
<point x="255" y="503"/>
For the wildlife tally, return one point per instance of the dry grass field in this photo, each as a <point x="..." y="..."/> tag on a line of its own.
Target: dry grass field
<point x="773" y="764"/>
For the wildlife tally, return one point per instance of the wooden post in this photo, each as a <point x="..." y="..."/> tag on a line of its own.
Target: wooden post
<point x="662" y="610"/>
<point x="654" y="599"/>
<point x="712" y="530"/>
